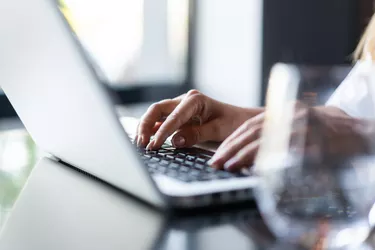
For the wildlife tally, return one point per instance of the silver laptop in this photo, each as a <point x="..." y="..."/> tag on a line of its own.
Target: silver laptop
<point x="66" y="109"/>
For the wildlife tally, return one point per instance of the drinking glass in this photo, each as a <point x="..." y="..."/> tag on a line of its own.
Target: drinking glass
<point x="316" y="190"/>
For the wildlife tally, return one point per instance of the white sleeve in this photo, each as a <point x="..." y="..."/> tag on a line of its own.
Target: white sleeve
<point x="353" y="95"/>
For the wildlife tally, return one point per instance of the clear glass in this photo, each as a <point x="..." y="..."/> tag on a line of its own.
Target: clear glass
<point x="317" y="172"/>
<point x="132" y="42"/>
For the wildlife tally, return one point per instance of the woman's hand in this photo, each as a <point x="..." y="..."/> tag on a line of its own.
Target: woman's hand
<point x="327" y="130"/>
<point x="193" y="117"/>
<point x="240" y="148"/>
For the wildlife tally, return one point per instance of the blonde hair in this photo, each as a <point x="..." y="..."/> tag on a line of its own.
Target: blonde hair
<point x="366" y="46"/>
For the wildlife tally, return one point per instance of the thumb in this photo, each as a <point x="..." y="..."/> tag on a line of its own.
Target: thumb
<point x="191" y="135"/>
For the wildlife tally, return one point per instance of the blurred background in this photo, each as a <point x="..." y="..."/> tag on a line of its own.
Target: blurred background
<point x="147" y="50"/>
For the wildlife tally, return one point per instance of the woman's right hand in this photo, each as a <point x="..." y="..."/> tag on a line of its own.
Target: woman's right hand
<point x="193" y="117"/>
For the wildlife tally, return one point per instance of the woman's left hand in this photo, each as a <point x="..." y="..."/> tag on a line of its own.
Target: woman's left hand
<point x="240" y="148"/>
<point x="327" y="129"/>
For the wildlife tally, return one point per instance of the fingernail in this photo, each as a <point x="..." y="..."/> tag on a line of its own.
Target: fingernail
<point x="143" y="141"/>
<point x="179" y="141"/>
<point x="231" y="163"/>
<point x="150" y="145"/>
<point x="214" y="164"/>
<point x="215" y="158"/>
<point x="135" y="139"/>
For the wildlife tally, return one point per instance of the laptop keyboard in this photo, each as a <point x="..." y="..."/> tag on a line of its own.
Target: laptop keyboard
<point x="186" y="165"/>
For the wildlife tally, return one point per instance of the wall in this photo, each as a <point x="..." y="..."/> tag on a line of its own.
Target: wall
<point x="228" y="50"/>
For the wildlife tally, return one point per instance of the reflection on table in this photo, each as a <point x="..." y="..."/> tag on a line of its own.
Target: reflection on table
<point x="60" y="208"/>
<point x="18" y="155"/>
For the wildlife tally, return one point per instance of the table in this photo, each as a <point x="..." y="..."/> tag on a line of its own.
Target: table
<point x="46" y="205"/>
<point x="61" y="208"/>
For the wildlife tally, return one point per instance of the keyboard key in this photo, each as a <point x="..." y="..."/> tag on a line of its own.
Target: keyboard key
<point x="174" y="165"/>
<point x="205" y="156"/>
<point x="207" y="177"/>
<point x="209" y="169"/>
<point x="169" y="157"/>
<point x="181" y="160"/>
<point x="162" y="151"/>
<point x="224" y="175"/>
<point x="152" y="165"/>
<point x="150" y="153"/>
<point x="190" y="158"/>
<point x="144" y="158"/>
<point x="164" y="154"/>
<point x="199" y="166"/>
<point x="194" y="172"/>
<point x="164" y="163"/>
<point x="154" y="159"/>
<point x="184" y="178"/>
<point x="182" y="155"/>
<point x="184" y="169"/>
<point x="189" y="163"/>
<point x="193" y="178"/>
<point x="161" y="169"/>
<point x="201" y="160"/>
<point x="172" y="173"/>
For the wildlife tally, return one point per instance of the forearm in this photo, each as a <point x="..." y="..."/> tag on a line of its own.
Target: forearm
<point x="331" y="111"/>
<point x="328" y="110"/>
<point x="343" y="134"/>
<point x="251" y="112"/>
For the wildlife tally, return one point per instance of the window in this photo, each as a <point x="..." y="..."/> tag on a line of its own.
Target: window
<point x="133" y="42"/>
<point x="141" y="48"/>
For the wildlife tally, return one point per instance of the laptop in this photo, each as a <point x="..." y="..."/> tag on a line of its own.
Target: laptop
<point x="55" y="91"/>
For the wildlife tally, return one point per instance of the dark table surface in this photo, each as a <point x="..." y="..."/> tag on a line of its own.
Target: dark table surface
<point x="45" y="205"/>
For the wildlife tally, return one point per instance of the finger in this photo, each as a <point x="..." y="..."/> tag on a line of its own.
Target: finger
<point x="187" y="109"/>
<point x="246" y="126"/>
<point x="154" y="114"/>
<point x="191" y="135"/>
<point x="136" y="135"/>
<point x="156" y="127"/>
<point x="154" y="130"/>
<point x="232" y="148"/>
<point x="244" y="158"/>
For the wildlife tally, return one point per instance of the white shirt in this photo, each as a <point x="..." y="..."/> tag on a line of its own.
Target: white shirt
<point x="356" y="94"/>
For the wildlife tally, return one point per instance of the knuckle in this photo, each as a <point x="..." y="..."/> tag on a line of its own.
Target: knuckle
<point x="143" y="126"/>
<point x="195" y="98"/>
<point x="143" y="122"/>
<point x="154" y="107"/>
<point x="163" y="102"/>
<point x="246" y="153"/>
<point x="193" y="92"/>
<point x="175" y="118"/>
<point x="257" y="129"/>
<point x="248" y="124"/>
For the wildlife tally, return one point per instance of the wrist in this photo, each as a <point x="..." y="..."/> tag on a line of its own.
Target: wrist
<point x="251" y="112"/>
